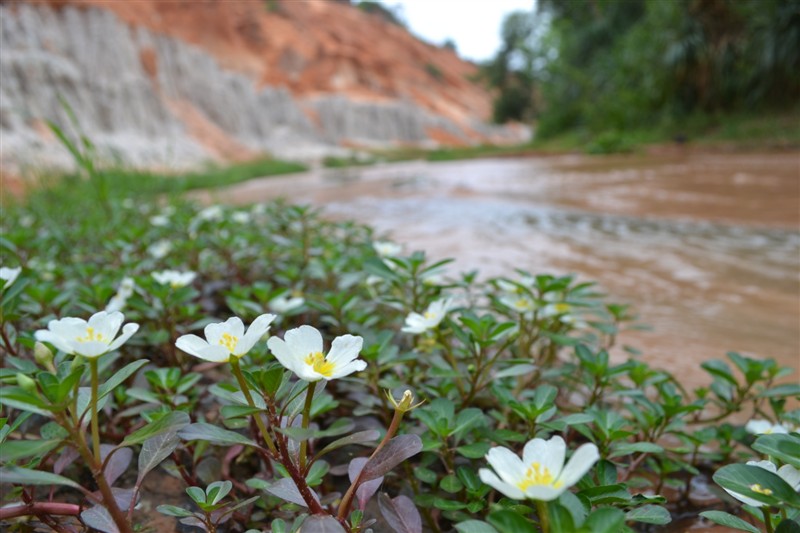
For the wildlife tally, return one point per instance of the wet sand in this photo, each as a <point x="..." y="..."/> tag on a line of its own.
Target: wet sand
<point x="705" y="246"/>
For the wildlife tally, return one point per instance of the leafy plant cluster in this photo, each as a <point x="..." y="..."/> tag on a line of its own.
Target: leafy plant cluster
<point x="614" y="66"/>
<point x="497" y="363"/>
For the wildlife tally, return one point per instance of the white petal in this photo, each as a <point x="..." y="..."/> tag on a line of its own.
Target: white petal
<point x="283" y="354"/>
<point x="304" y="340"/>
<point x="766" y="465"/>
<point x="744" y="499"/>
<point x="90" y="349"/>
<point x="544" y="493"/>
<point x="44" y="335"/>
<point x="488" y="477"/>
<point x="790" y="475"/>
<point x="507" y="465"/>
<point x="127" y="331"/>
<point x="349" y="368"/>
<point x="344" y="349"/>
<point x="233" y="326"/>
<point x="581" y="461"/>
<point x="106" y="324"/>
<point x="191" y="344"/>
<point x="758" y="426"/>
<point x="548" y="453"/>
<point x="254" y="333"/>
<point x="215" y="354"/>
<point x="68" y="327"/>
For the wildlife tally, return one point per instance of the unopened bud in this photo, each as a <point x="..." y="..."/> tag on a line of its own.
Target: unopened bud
<point x="43" y="355"/>
<point x="406" y="403"/>
<point x="26" y="383"/>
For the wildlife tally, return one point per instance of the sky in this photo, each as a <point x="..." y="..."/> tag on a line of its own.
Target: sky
<point x="474" y="25"/>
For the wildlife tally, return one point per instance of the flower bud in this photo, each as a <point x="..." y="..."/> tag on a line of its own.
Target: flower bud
<point x="43" y="355"/>
<point x="26" y="382"/>
<point x="406" y="403"/>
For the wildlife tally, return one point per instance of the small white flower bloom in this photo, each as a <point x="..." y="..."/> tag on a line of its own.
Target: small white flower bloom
<point x="174" y="278"/>
<point x="213" y="212"/>
<point x="9" y="275"/>
<point x="160" y="248"/>
<point x="387" y="248"/>
<point x="225" y="339"/>
<point x="26" y="221"/>
<point x="788" y="473"/>
<point x="89" y="339"/>
<point x="159" y="220"/>
<point x="241" y="217"/>
<point x="541" y="473"/>
<point x="285" y="303"/>
<point x="764" y="427"/>
<point x="125" y="291"/>
<point x="520" y="303"/>
<point x="555" y="309"/>
<point x="419" y="323"/>
<point x="301" y="352"/>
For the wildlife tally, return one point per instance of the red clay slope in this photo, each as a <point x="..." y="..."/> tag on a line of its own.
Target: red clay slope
<point x="315" y="47"/>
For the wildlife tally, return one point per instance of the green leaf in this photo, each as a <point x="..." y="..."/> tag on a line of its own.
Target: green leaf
<point x="719" y="368"/>
<point x="475" y="450"/>
<point x="214" y="435"/>
<point x="174" y="510"/>
<point x="783" y="447"/>
<point x="451" y="484"/>
<point x="156" y="449"/>
<point x="25" y="476"/>
<point x="474" y="526"/>
<point x="740" y="478"/>
<point x="789" y="389"/>
<point x="360" y="437"/>
<point x="617" y="493"/>
<point x="627" y="448"/>
<point x="605" y="520"/>
<point x="649" y="514"/>
<point x="174" y="420"/>
<point x="119" y="377"/>
<point x="561" y="520"/>
<point x="510" y="522"/>
<point x="728" y="520"/>
<point x="18" y="449"/>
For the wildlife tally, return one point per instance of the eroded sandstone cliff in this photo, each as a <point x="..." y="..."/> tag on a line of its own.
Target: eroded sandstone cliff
<point x="173" y="83"/>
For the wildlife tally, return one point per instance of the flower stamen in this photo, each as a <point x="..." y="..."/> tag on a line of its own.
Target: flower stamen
<point x="317" y="361"/>
<point x="229" y="341"/>
<point x="92" y="335"/>
<point x="536" y="475"/>
<point x="761" y="490"/>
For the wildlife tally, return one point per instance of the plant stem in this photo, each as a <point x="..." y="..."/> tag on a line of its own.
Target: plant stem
<point x="95" y="426"/>
<point x="306" y="418"/>
<point x="767" y="520"/>
<point x="344" y="507"/>
<point x="544" y="517"/>
<point x="237" y="371"/>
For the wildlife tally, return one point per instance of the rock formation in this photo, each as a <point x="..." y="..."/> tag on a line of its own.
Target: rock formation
<point x="174" y="83"/>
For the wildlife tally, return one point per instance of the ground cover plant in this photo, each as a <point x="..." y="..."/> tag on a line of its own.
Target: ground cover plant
<point x="290" y="373"/>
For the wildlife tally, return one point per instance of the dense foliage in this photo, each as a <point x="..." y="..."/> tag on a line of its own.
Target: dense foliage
<point x="259" y="445"/>
<point x="614" y="65"/>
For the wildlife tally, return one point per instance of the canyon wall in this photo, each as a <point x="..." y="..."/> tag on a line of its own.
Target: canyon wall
<point x="170" y="88"/>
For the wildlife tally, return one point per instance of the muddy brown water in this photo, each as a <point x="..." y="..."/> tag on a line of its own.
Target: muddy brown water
<point x="705" y="246"/>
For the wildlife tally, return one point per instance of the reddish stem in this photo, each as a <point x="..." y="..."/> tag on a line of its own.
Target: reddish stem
<point x="40" y="508"/>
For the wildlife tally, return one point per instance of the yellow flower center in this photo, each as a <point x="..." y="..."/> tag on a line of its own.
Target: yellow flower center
<point x="522" y="303"/>
<point x="92" y="335"/>
<point x="536" y="475"/>
<point x="229" y="341"/>
<point x="319" y="364"/>
<point x="429" y="315"/>
<point x="561" y="308"/>
<point x="761" y="490"/>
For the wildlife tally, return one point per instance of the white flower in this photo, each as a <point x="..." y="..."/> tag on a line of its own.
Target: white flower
<point x="556" y="309"/>
<point x="788" y="473"/>
<point x="225" y="339"/>
<point x="213" y="212"/>
<point x="174" y="278"/>
<point x="283" y="304"/>
<point x="241" y="217"/>
<point x="9" y="275"/>
<point x="89" y="339"/>
<point x="519" y="302"/>
<point x="540" y="474"/>
<point x="419" y="323"/>
<point x="387" y="248"/>
<point x="125" y="291"/>
<point x="159" y="220"/>
<point x="301" y="352"/>
<point x="160" y="248"/>
<point x="764" y="427"/>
